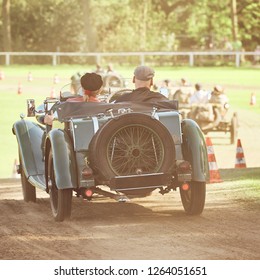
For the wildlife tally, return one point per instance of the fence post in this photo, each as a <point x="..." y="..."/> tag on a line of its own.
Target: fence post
<point x="98" y="59"/>
<point x="142" y="60"/>
<point x="7" y="59"/>
<point x="237" y="59"/>
<point x="191" y="59"/>
<point x="54" y="60"/>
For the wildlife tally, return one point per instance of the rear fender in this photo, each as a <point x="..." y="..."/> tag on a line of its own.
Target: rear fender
<point x="64" y="160"/>
<point x="29" y="137"/>
<point x="195" y="150"/>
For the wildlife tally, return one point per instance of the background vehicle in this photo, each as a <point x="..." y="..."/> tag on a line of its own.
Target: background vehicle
<point x="119" y="150"/>
<point x="112" y="82"/>
<point x="213" y="117"/>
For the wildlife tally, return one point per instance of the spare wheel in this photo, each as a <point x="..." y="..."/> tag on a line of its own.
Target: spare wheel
<point x="131" y="144"/>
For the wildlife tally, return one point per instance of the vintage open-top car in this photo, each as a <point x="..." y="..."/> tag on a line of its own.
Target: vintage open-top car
<point x="119" y="150"/>
<point x="213" y="117"/>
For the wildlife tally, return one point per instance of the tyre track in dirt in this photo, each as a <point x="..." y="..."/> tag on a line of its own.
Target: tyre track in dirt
<point x="154" y="227"/>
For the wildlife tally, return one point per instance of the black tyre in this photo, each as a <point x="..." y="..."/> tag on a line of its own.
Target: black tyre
<point x="131" y="144"/>
<point x="60" y="199"/>
<point x="193" y="199"/>
<point x="233" y="129"/>
<point x="29" y="191"/>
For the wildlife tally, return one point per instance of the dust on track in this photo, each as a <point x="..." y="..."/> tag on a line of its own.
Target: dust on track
<point x="154" y="227"/>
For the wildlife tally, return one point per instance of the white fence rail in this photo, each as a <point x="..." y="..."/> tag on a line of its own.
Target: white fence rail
<point x="55" y="56"/>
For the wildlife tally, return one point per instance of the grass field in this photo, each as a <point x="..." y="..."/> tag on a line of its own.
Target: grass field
<point x="247" y="179"/>
<point x="239" y="83"/>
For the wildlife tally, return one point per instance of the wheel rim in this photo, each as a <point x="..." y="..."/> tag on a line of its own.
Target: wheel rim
<point x="135" y="149"/>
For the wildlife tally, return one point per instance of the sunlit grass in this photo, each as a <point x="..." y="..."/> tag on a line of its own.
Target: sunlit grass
<point x="238" y="82"/>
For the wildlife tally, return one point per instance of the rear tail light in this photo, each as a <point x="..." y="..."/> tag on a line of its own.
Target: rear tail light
<point x="87" y="172"/>
<point x="184" y="166"/>
<point x="88" y="193"/>
<point x="185" y="187"/>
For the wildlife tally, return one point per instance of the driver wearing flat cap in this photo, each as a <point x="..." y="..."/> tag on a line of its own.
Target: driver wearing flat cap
<point x="143" y="80"/>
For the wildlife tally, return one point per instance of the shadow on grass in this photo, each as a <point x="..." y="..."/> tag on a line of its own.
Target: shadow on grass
<point x="240" y="173"/>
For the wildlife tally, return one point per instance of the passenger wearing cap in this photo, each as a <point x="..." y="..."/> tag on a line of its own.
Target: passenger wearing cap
<point x="91" y="84"/>
<point x="143" y="80"/>
<point x="218" y="96"/>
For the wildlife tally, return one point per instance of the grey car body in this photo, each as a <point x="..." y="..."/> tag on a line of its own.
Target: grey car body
<point x="119" y="150"/>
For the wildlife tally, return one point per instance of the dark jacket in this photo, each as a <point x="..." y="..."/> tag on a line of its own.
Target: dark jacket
<point x="141" y="95"/>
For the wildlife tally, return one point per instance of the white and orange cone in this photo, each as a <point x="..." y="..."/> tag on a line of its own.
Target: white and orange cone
<point x="214" y="176"/>
<point x="56" y="79"/>
<point x="240" y="158"/>
<point x="19" y="90"/>
<point x="30" y="77"/>
<point x="2" y="75"/>
<point x="252" y="99"/>
<point x="53" y="94"/>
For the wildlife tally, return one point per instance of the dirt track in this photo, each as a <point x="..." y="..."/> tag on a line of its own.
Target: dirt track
<point x="155" y="227"/>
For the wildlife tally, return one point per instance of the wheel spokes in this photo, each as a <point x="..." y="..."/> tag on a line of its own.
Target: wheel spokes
<point x="135" y="148"/>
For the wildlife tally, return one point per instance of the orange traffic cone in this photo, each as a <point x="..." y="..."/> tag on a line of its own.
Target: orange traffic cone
<point x="19" y="90"/>
<point x="240" y="158"/>
<point x="53" y="94"/>
<point x="252" y="99"/>
<point x="2" y="75"/>
<point x="15" y="168"/>
<point x="214" y="176"/>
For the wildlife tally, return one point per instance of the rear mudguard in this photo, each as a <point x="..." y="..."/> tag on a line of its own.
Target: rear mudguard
<point x="195" y="150"/>
<point x="29" y="136"/>
<point x="64" y="161"/>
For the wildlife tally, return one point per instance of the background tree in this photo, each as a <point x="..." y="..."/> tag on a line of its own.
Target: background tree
<point x="127" y="25"/>
<point x="6" y="25"/>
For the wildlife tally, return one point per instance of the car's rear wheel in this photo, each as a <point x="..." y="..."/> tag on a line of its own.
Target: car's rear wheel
<point x="193" y="199"/>
<point x="132" y="144"/>
<point x="60" y="199"/>
<point x="29" y="191"/>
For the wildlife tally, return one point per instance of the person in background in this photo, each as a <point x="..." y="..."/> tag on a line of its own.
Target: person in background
<point x="143" y="80"/>
<point x="110" y="68"/>
<point x="91" y="84"/>
<point x="200" y="95"/>
<point x="218" y="96"/>
<point x="165" y="88"/>
<point x="99" y="69"/>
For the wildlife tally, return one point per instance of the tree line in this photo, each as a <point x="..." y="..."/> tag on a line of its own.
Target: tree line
<point x="129" y="25"/>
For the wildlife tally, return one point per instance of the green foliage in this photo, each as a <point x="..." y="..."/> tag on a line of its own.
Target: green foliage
<point x="129" y="25"/>
<point x="46" y="26"/>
